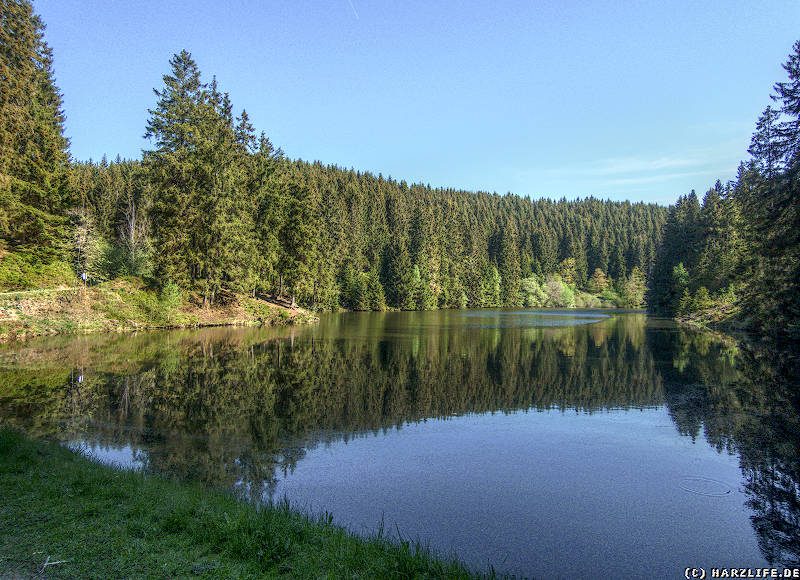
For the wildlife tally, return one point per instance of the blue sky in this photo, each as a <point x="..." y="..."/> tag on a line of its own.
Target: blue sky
<point x="622" y="100"/>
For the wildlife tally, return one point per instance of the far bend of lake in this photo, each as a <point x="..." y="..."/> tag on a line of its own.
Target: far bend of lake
<point x="585" y="444"/>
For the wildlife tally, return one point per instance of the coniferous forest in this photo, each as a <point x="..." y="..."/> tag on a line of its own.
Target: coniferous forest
<point x="738" y="253"/>
<point x="213" y="207"/>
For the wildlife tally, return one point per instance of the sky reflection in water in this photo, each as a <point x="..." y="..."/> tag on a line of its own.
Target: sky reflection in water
<point x="563" y="443"/>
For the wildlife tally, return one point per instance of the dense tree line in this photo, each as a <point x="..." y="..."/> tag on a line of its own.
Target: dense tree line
<point x="339" y="238"/>
<point x="740" y="249"/>
<point x="431" y="247"/>
<point x="213" y="206"/>
<point x="226" y="209"/>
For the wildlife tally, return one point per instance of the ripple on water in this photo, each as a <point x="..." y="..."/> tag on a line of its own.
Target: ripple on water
<point x="705" y="486"/>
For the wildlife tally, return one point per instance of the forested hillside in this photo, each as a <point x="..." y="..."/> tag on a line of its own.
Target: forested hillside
<point x="214" y="207"/>
<point x="446" y="248"/>
<point x="738" y="254"/>
<point x="332" y="237"/>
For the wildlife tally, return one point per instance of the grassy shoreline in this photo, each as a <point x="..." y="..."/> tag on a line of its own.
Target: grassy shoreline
<point x="99" y="522"/>
<point x="128" y="304"/>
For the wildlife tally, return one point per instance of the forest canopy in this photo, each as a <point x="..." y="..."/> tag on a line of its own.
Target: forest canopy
<point x="214" y="207"/>
<point x="740" y="249"/>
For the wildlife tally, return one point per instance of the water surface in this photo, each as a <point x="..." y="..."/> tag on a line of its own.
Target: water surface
<point x="563" y="443"/>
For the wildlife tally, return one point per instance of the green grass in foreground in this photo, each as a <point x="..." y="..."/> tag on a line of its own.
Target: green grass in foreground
<point x="99" y="522"/>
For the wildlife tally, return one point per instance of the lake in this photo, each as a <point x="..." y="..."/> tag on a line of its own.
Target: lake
<point x="540" y="443"/>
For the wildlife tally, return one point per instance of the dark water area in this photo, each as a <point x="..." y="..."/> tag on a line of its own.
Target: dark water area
<point x="541" y="443"/>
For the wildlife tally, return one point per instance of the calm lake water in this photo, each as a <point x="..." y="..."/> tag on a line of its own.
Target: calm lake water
<point x="542" y="443"/>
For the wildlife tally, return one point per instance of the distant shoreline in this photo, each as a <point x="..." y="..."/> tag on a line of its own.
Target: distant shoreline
<point x="125" y="305"/>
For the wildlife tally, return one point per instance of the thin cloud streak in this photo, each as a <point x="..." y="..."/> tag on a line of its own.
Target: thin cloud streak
<point x="660" y="177"/>
<point x="651" y="175"/>
<point x="623" y="165"/>
<point x="354" y="9"/>
<point x="627" y="165"/>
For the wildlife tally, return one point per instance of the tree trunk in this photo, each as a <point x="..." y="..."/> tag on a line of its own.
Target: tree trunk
<point x="293" y="303"/>
<point x="280" y="287"/>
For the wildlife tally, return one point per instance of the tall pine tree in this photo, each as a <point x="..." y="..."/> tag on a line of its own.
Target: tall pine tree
<point x="33" y="150"/>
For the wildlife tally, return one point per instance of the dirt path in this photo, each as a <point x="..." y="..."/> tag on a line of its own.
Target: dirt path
<point x="37" y="291"/>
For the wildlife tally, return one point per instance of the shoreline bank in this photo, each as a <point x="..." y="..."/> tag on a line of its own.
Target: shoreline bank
<point x="126" y="305"/>
<point x="66" y="516"/>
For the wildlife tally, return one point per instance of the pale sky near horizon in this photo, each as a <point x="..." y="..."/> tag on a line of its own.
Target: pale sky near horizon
<point x="622" y="100"/>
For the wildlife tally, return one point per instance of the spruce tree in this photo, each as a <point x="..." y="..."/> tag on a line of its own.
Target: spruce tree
<point x="267" y="189"/>
<point x="766" y="145"/>
<point x="398" y="275"/>
<point x="492" y="284"/>
<point x="33" y="150"/>
<point x="376" y="298"/>
<point x="771" y="211"/>
<point x="180" y="177"/>
<point x="509" y="270"/>
<point x="787" y="93"/>
<point x="298" y="239"/>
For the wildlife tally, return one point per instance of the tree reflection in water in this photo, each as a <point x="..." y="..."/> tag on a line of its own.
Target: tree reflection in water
<point x="239" y="407"/>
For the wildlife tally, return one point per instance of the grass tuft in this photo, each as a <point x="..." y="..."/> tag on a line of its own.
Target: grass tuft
<point x="98" y="522"/>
